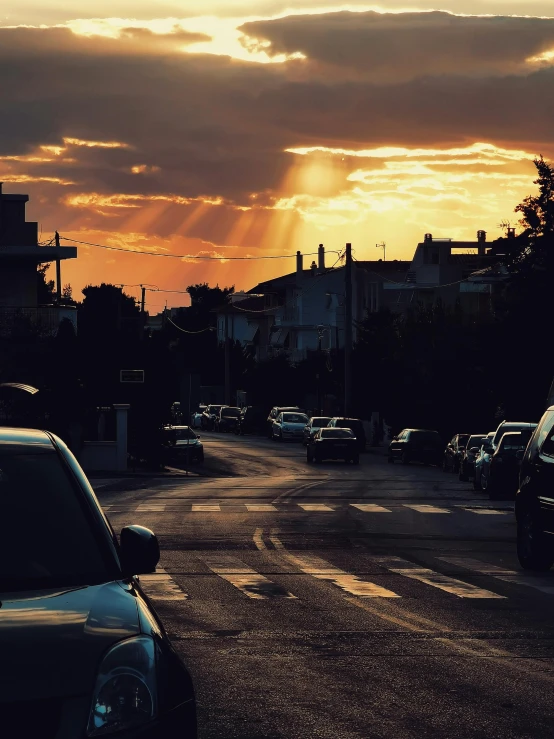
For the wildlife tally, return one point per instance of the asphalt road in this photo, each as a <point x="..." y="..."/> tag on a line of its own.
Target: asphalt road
<point x="345" y="601"/>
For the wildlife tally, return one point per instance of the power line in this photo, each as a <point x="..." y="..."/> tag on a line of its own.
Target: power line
<point x="203" y="330"/>
<point x="185" y="256"/>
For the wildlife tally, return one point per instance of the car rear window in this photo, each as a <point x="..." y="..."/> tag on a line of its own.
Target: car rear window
<point x="184" y="433"/>
<point x="431" y="436"/>
<point x="294" y="418"/>
<point x="47" y="538"/>
<point x="336" y="433"/>
<point x="230" y="412"/>
<point x="510" y="427"/>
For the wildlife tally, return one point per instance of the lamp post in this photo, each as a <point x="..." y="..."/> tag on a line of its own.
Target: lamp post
<point x="382" y="246"/>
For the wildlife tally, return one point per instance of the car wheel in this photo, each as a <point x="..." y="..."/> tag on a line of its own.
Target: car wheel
<point x="533" y="551"/>
<point x="405" y="458"/>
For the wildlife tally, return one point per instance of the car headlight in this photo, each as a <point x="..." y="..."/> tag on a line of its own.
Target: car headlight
<point x="125" y="694"/>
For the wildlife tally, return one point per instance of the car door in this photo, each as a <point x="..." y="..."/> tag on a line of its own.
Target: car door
<point x="395" y="446"/>
<point x="544" y="481"/>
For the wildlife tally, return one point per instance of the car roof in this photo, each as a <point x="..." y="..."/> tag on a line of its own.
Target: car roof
<point x="30" y="438"/>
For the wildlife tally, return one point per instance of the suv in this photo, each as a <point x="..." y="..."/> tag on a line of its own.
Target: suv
<point x="534" y="507"/>
<point x="454" y="452"/>
<point x="354" y="424"/>
<point x="274" y="412"/>
<point x="416" y="445"/>
<point x="504" y="428"/>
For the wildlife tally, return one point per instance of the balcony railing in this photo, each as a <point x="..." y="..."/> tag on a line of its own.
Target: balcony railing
<point x="41" y="321"/>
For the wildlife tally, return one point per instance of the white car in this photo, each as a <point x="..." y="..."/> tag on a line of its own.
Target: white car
<point x="289" y="425"/>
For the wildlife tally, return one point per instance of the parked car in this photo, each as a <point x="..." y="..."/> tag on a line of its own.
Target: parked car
<point x="182" y="444"/>
<point x="289" y="425"/>
<point x="485" y="450"/>
<point x="227" y="419"/>
<point x="534" y="506"/>
<point x="274" y="412"/>
<point x="333" y="443"/>
<point x="313" y="426"/>
<point x="505" y="463"/>
<point x="454" y="452"/>
<point x="83" y="651"/>
<point x="354" y="424"/>
<point x="196" y="417"/>
<point x="209" y="416"/>
<point x="505" y="427"/>
<point x="251" y="420"/>
<point x="467" y="463"/>
<point x="416" y="445"/>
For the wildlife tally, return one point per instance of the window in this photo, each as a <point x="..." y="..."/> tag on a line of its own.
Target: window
<point x="542" y="433"/>
<point x="548" y="431"/>
<point x="336" y="434"/>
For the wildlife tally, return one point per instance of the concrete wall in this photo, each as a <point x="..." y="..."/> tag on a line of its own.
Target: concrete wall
<point x="99" y="456"/>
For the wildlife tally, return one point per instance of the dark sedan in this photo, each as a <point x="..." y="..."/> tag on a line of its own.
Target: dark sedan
<point x="182" y="444"/>
<point x="467" y="463"/>
<point x="333" y="443"/>
<point x="454" y="453"/>
<point x="505" y="463"/>
<point x="416" y="445"/>
<point x="83" y="652"/>
<point x="227" y="419"/>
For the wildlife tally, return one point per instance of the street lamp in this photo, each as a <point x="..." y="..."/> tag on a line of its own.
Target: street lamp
<point x="382" y="246"/>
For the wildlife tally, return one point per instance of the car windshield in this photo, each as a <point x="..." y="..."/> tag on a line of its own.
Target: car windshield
<point x="320" y="422"/>
<point x="47" y="539"/>
<point x="294" y="418"/>
<point x="183" y="433"/>
<point x="350" y="423"/>
<point x="215" y="408"/>
<point x="463" y="439"/>
<point x="430" y="436"/>
<point x="512" y="442"/>
<point x="507" y="427"/>
<point x="230" y="412"/>
<point x="475" y="440"/>
<point x="335" y="433"/>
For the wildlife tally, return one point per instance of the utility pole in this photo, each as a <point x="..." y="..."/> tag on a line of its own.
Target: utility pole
<point x="227" y="360"/>
<point x="348" y="331"/>
<point x="383" y="246"/>
<point x="142" y="299"/>
<point x="58" y="271"/>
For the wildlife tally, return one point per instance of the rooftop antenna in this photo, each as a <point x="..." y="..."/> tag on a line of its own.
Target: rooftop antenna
<point x="383" y="246"/>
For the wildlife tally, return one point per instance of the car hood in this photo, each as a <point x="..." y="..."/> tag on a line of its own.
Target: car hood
<point x="52" y="641"/>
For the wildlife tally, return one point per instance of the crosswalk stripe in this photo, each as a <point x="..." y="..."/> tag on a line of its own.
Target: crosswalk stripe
<point x="106" y="507"/>
<point x="150" y="507"/>
<point x="260" y="507"/>
<point x="486" y="511"/>
<point x="435" y="579"/>
<point x="199" y="507"/>
<point x="370" y="508"/>
<point x="426" y="508"/>
<point x="322" y="570"/>
<point x="545" y="585"/>
<point x="247" y="580"/>
<point x="315" y="507"/>
<point x="161" y="586"/>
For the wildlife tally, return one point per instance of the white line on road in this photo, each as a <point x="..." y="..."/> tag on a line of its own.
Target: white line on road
<point x="201" y="507"/>
<point x="486" y="511"/>
<point x="426" y="508"/>
<point x="544" y="584"/>
<point x="244" y="578"/>
<point x="161" y="586"/>
<point x="370" y="508"/>
<point x="260" y="507"/>
<point x="258" y="539"/>
<point x="106" y="507"/>
<point x="435" y="579"/>
<point x="315" y="507"/>
<point x="322" y="570"/>
<point x="150" y="507"/>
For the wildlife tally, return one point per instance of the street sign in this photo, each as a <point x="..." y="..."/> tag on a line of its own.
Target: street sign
<point x="131" y="375"/>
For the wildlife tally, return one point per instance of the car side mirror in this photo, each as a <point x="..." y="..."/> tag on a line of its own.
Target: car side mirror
<point x="140" y="551"/>
<point x="520" y="454"/>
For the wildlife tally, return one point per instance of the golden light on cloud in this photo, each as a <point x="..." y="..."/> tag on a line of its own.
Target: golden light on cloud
<point x="387" y="152"/>
<point x="144" y="169"/>
<point x="95" y="144"/>
<point x="94" y="200"/>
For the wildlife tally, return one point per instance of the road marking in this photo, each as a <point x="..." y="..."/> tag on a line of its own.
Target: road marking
<point x="200" y="507"/>
<point x="370" y="508"/>
<point x="244" y="578"/>
<point x="150" y="507"/>
<point x="435" y="579"/>
<point x="293" y="491"/>
<point x="544" y="584"/>
<point x="260" y="507"/>
<point x="161" y="586"/>
<point x="315" y="507"/>
<point x="258" y="539"/>
<point x="106" y="507"/>
<point x="426" y="508"/>
<point x="486" y="511"/>
<point x="322" y="570"/>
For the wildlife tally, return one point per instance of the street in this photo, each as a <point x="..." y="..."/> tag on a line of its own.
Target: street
<point x="344" y="601"/>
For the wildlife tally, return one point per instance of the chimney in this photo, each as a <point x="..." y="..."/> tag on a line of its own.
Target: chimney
<point x="299" y="266"/>
<point x="321" y="258"/>
<point x="313" y="268"/>
<point x="481" y="240"/>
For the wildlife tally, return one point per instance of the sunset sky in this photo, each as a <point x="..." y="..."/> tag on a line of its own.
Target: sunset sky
<point x="258" y="127"/>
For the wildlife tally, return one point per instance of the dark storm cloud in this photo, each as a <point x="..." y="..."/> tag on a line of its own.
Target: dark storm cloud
<point x="408" y="45"/>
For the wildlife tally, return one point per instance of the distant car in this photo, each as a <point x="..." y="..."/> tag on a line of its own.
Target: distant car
<point x="196" y="417"/>
<point x="274" y="412"/>
<point x="289" y="425"/>
<point x="534" y="505"/>
<point x="416" y="445"/>
<point x="313" y="426"/>
<point x="182" y="444"/>
<point x="454" y="452"/>
<point x="467" y="463"/>
<point x="209" y="416"/>
<point x="333" y="443"/>
<point x="505" y="427"/>
<point x="251" y="420"/>
<point x="227" y="419"/>
<point x="505" y="463"/>
<point x="84" y="654"/>
<point x="354" y="424"/>
<point x="482" y="457"/>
